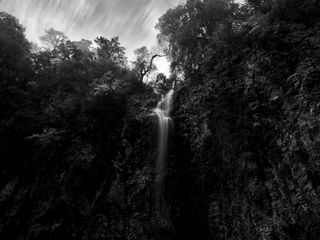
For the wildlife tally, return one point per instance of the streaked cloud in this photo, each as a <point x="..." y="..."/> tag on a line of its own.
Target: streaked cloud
<point x="132" y="20"/>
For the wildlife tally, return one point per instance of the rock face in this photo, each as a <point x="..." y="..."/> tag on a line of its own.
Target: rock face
<point x="245" y="159"/>
<point x="74" y="187"/>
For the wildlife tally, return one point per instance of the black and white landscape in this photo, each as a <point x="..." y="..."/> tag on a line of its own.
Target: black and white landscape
<point x="159" y="120"/>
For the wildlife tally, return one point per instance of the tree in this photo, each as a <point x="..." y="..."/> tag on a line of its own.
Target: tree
<point x="164" y="84"/>
<point x="84" y="46"/>
<point x="110" y="51"/>
<point x="53" y="38"/>
<point x="15" y="70"/>
<point x="198" y="32"/>
<point x="293" y="10"/>
<point x="17" y="116"/>
<point x="14" y="47"/>
<point x="144" y="62"/>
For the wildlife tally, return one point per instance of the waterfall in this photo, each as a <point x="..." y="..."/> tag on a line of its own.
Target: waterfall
<point x="163" y="112"/>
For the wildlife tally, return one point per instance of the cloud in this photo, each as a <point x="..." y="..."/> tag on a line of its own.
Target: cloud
<point x="132" y="20"/>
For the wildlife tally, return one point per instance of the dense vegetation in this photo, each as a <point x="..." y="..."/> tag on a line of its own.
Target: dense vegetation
<point x="78" y="144"/>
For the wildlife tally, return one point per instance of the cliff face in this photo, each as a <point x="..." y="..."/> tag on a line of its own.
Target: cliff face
<point x="84" y="187"/>
<point x="245" y="159"/>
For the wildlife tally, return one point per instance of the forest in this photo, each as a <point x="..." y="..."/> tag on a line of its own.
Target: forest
<point x="79" y="139"/>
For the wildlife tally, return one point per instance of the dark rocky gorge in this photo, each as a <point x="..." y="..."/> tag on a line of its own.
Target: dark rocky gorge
<point x="242" y="159"/>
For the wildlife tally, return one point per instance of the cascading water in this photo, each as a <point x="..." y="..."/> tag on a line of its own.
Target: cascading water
<point x="163" y="112"/>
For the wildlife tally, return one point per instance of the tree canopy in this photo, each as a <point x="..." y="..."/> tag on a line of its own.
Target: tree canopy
<point x="53" y="38"/>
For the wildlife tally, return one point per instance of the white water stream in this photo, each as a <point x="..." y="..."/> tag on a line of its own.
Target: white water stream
<point x="163" y="112"/>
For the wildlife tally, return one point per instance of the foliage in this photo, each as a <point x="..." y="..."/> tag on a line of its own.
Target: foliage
<point x="18" y="117"/>
<point x="143" y="63"/>
<point x="200" y="32"/>
<point x="248" y="118"/>
<point x="289" y="10"/>
<point x="77" y="141"/>
<point x="53" y="38"/>
<point x="110" y="51"/>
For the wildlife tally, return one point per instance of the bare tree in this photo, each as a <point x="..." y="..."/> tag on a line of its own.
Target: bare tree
<point x="144" y="62"/>
<point x="53" y="38"/>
